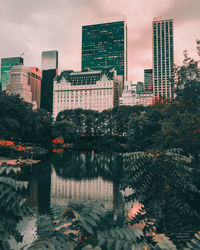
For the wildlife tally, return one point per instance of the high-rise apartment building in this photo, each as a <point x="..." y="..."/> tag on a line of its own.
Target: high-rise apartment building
<point x="105" y="45"/>
<point x="163" y="58"/>
<point x="49" y="72"/>
<point x="148" y="81"/>
<point x="6" y="65"/>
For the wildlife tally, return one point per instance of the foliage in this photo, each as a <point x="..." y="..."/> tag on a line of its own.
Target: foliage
<point x="194" y="243"/>
<point x="163" y="182"/>
<point x="90" y="129"/>
<point x="19" y="122"/>
<point x="81" y="230"/>
<point x="12" y="207"/>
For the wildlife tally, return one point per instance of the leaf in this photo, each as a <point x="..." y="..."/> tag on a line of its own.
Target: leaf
<point x="91" y="221"/>
<point x="101" y="239"/>
<point x="110" y="244"/>
<point x="163" y="242"/>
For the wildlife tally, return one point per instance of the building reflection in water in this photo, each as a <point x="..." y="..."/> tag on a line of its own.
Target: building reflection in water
<point x="65" y="191"/>
<point x="77" y="179"/>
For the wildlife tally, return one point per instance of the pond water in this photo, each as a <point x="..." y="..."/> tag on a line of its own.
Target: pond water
<point x="72" y="180"/>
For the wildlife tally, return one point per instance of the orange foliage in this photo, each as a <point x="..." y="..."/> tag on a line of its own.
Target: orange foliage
<point x="58" y="150"/>
<point x="58" y="140"/>
<point x="11" y="144"/>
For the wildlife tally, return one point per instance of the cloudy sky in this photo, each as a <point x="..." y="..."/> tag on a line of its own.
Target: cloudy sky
<point x="30" y="27"/>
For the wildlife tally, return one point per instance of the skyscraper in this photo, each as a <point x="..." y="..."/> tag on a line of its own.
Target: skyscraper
<point x="163" y="58"/>
<point x="148" y="81"/>
<point x="105" y="45"/>
<point x="49" y="71"/>
<point x="6" y="65"/>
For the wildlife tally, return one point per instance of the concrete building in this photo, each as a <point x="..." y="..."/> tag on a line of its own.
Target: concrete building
<point x="49" y="72"/>
<point x="6" y="65"/>
<point x="25" y="82"/>
<point x="94" y="90"/>
<point x="163" y="58"/>
<point x="131" y="96"/>
<point x="20" y="83"/>
<point x="35" y="83"/>
<point x="105" y="45"/>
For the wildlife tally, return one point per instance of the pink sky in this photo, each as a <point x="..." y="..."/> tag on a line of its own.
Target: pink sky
<point x="56" y="25"/>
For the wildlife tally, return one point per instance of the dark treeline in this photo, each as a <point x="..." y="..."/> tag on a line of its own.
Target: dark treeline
<point x="22" y="124"/>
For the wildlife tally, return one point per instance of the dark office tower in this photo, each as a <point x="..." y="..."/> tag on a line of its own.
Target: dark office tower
<point x="140" y="88"/>
<point x="6" y="65"/>
<point x="49" y="72"/>
<point x="105" y="45"/>
<point x="148" y="81"/>
<point x="163" y="58"/>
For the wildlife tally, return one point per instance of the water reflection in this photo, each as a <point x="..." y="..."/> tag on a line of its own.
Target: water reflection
<point x="76" y="178"/>
<point x="65" y="191"/>
<point x="73" y="179"/>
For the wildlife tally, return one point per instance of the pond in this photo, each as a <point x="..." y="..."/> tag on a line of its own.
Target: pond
<point x="72" y="180"/>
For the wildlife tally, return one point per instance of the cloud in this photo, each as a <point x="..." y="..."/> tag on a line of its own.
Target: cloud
<point x="31" y="27"/>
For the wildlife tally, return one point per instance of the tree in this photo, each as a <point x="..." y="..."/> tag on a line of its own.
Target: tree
<point x="163" y="182"/>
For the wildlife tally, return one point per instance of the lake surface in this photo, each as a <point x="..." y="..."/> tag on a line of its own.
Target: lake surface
<point x="72" y="180"/>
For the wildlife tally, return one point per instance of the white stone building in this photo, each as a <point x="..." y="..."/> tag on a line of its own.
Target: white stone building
<point x="92" y="90"/>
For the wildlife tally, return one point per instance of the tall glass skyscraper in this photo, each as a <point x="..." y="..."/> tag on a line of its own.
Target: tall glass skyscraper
<point x="163" y="58"/>
<point x="49" y="72"/>
<point x="6" y="65"/>
<point x="105" y="45"/>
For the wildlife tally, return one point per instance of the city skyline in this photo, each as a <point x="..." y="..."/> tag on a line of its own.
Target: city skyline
<point x="56" y="25"/>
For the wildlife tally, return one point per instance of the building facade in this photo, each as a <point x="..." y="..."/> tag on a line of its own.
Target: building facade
<point x="6" y="65"/>
<point x="163" y="58"/>
<point x="35" y="83"/>
<point x="49" y="72"/>
<point x="105" y="45"/>
<point x="148" y="81"/>
<point x="93" y="90"/>
<point x="131" y="96"/>
<point x="20" y="83"/>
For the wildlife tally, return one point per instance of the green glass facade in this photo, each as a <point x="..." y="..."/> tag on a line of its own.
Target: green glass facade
<point x="6" y="65"/>
<point x="105" y="45"/>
